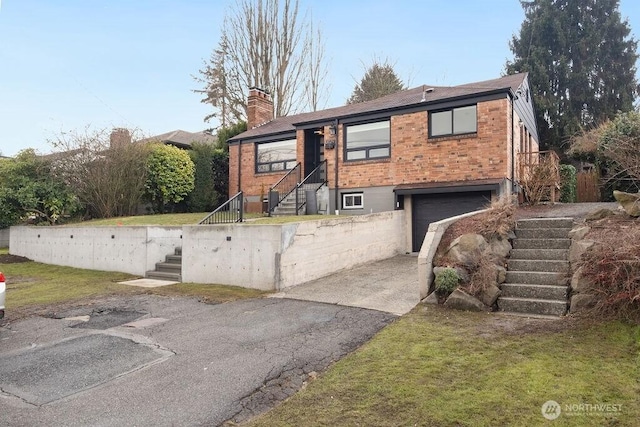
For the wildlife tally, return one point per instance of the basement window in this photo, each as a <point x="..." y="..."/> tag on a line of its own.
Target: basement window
<point x="352" y="201"/>
<point x="454" y="121"/>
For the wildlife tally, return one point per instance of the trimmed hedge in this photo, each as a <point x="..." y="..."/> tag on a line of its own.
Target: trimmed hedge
<point x="568" y="184"/>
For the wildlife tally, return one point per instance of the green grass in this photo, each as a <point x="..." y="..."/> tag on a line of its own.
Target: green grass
<point x="435" y="367"/>
<point x="164" y="219"/>
<point x="189" y="219"/>
<point x="33" y="287"/>
<point x="289" y="219"/>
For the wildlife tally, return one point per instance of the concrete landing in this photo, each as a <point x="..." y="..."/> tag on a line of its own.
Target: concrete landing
<point x="390" y="286"/>
<point x="148" y="283"/>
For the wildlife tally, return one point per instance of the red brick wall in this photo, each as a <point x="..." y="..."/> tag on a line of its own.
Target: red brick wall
<point x="414" y="157"/>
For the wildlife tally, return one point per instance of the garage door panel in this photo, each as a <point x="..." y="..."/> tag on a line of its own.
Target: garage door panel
<point x="430" y="208"/>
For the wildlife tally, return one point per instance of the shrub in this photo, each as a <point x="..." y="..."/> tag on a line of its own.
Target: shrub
<point x="614" y="266"/>
<point x="447" y="280"/>
<point x="568" y="184"/>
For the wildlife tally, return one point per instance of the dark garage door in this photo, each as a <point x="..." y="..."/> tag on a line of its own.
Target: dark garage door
<point x="428" y="208"/>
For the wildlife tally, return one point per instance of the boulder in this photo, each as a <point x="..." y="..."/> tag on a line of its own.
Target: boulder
<point x="580" y="302"/>
<point x="579" y="232"/>
<point x="461" y="300"/>
<point x="432" y="298"/>
<point x="489" y="295"/>
<point x="630" y="202"/>
<point x="501" y="274"/>
<point x="466" y="248"/>
<point x="580" y="283"/>
<point x="499" y="247"/>
<point x="578" y="248"/>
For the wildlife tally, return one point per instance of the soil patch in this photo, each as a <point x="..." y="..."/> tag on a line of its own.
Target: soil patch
<point x="12" y="259"/>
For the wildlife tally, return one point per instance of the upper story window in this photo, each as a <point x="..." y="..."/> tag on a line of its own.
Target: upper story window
<point x="368" y="141"/>
<point x="276" y="156"/>
<point x="454" y="121"/>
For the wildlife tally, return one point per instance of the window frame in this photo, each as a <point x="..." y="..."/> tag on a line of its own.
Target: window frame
<point x="353" y="195"/>
<point x="270" y="165"/>
<point x="368" y="148"/>
<point x="453" y="130"/>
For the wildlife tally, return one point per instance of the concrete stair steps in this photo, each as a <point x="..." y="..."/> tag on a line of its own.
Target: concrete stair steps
<point x="163" y="275"/>
<point x="520" y="243"/>
<point x="544" y="265"/>
<point x="533" y="306"/>
<point x="525" y="290"/>
<point x="173" y="259"/>
<point x="545" y="223"/>
<point x="542" y="233"/>
<point x="168" y="267"/>
<point x="537" y="277"/>
<point x="539" y="254"/>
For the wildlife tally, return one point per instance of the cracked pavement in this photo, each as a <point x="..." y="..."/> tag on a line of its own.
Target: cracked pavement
<point x="178" y="362"/>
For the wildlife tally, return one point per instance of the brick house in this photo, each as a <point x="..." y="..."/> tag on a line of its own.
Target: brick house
<point x="432" y="151"/>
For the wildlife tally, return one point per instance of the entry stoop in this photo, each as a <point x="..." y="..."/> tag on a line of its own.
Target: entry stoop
<point x="537" y="281"/>
<point x="170" y="269"/>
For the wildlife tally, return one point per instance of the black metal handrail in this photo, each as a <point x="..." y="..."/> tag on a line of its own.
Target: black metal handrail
<point x="229" y="212"/>
<point x="284" y="187"/>
<point x="316" y="179"/>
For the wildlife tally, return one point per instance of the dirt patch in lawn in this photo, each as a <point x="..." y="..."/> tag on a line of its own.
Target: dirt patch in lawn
<point x="12" y="259"/>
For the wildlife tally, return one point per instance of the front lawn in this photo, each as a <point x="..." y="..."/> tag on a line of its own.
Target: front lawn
<point x="435" y="367"/>
<point x="34" y="288"/>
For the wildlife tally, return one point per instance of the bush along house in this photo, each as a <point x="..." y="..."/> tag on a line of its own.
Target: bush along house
<point x="433" y="151"/>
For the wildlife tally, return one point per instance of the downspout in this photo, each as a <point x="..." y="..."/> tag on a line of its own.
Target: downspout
<point x="513" y="148"/>
<point x="239" y="166"/>
<point x="337" y="186"/>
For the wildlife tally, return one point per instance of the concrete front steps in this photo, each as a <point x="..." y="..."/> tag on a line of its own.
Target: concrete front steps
<point x="538" y="269"/>
<point x="170" y="269"/>
<point x="287" y="206"/>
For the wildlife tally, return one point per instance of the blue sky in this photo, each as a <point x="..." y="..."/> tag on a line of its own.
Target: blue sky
<point x="69" y="64"/>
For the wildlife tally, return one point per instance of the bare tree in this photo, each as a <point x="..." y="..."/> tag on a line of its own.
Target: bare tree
<point x="108" y="178"/>
<point x="266" y="44"/>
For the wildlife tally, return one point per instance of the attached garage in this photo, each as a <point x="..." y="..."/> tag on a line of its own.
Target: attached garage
<point x="436" y="203"/>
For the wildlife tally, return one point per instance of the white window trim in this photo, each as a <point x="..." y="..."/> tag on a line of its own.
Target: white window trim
<point x="345" y="196"/>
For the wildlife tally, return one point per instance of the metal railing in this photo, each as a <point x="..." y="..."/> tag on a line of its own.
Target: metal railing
<point x="284" y="187"/>
<point x="229" y="212"/>
<point x="316" y="179"/>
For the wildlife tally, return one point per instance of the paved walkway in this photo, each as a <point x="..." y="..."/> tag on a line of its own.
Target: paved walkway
<point x="390" y="285"/>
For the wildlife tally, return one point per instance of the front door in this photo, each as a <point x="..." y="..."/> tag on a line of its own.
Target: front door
<point x="313" y="152"/>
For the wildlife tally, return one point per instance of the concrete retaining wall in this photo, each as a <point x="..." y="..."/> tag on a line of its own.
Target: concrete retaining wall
<point x="319" y="248"/>
<point x="133" y="250"/>
<point x="267" y="257"/>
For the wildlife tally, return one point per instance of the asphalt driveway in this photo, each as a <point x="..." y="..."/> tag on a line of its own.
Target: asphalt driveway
<point x="158" y="361"/>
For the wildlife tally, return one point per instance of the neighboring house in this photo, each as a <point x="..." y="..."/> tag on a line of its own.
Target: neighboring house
<point x="183" y="139"/>
<point x="432" y="151"/>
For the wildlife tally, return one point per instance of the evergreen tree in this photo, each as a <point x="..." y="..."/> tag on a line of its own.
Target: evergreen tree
<point x="380" y="79"/>
<point x="581" y="63"/>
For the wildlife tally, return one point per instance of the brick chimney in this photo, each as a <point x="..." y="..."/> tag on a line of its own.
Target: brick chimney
<point x="259" y="108"/>
<point x="119" y="137"/>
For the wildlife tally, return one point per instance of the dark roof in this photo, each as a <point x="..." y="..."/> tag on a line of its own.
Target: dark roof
<point x="398" y="100"/>
<point x="183" y="139"/>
